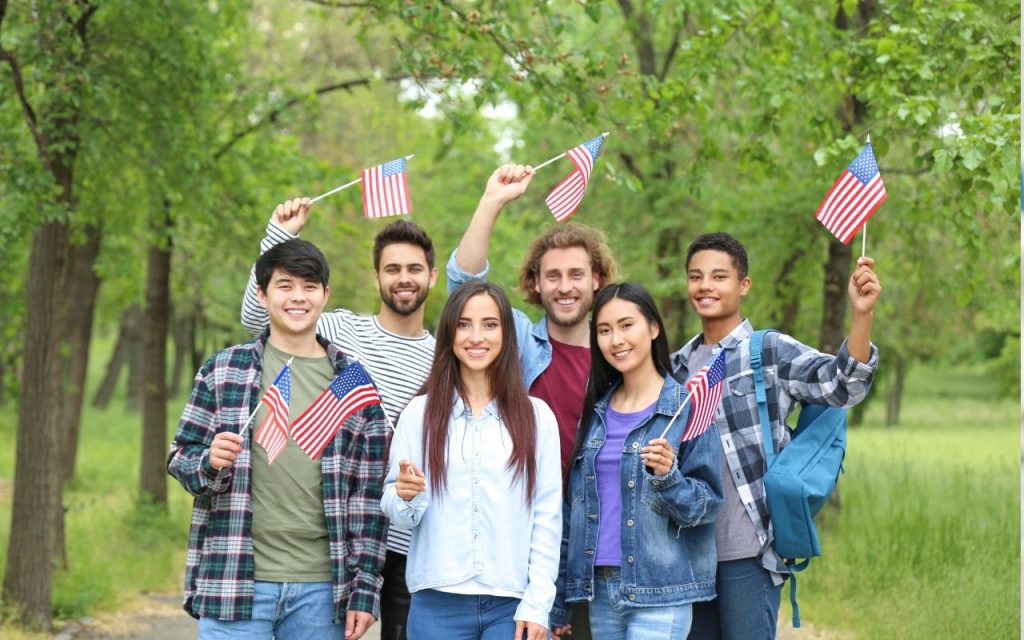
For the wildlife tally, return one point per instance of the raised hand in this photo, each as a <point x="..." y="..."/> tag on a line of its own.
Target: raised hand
<point x="291" y="215"/>
<point x="864" y="286"/>
<point x="507" y="183"/>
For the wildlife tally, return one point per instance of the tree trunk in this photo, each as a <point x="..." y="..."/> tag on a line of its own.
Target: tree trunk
<point x="833" y="313"/>
<point x="37" y="482"/>
<point x="184" y="346"/>
<point x="673" y="307"/>
<point x="83" y="285"/>
<point x="105" y="392"/>
<point x="788" y="292"/>
<point x="136" y="364"/>
<point x="152" y="473"/>
<point x="894" y="394"/>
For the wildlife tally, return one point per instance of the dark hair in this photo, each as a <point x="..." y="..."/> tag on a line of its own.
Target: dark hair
<point x="506" y="382"/>
<point x="602" y="374"/>
<point x="723" y="242"/>
<point x="402" y="231"/>
<point x="295" y="257"/>
<point x="567" y="236"/>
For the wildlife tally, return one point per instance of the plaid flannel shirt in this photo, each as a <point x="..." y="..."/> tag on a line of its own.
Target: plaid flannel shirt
<point x="219" y="567"/>
<point x="793" y="373"/>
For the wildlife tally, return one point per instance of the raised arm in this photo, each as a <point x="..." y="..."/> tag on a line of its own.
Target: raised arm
<point x="864" y="289"/>
<point x="285" y="224"/>
<point x="507" y="183"/>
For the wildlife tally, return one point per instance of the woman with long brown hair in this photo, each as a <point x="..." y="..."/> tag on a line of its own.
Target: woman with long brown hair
<point x="475" y="472"/>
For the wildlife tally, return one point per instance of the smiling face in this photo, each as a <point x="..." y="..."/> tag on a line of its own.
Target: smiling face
<point x="715" y="287"/>
<point x="478" y="334"/>
<point x="624" y="335"/>
<point x="566" y="284"/>
<point x="294" y="304"/>
<point x="404" y="278"/>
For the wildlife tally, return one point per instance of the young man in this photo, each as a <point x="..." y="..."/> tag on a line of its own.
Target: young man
<point x="392" y="345"/>
<point x="750" y="573"/>
<point x="292" y="549"/>
<point x="565" y="267"/>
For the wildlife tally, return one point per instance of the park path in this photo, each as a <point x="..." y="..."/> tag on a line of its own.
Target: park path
<point x="159" y="617"/>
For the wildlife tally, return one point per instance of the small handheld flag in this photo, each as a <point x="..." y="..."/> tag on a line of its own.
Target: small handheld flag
<point x="565" y="198"/>
<point x="385" y="190"/>
<point x="349" y="392"/>
<point x="273" y="433"/>
<point x="854" y="197"/>
<point x="706" y="390"/>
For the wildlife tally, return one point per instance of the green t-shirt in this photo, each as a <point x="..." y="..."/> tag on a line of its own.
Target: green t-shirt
<point x="289" y="530"/>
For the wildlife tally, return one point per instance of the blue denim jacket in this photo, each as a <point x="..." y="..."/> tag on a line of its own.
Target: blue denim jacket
<point x="668" y="535"/>
<point x="534" y="344"/>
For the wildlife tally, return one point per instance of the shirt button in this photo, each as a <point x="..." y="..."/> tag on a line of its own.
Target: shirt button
<point x="630" y="484"/>
<point x="629" y="523"/>
<point x="636" y="445"/>
<point x="630" y="559"/>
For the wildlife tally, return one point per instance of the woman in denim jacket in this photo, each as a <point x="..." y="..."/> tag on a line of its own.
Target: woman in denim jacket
<point x="638" y="541"/>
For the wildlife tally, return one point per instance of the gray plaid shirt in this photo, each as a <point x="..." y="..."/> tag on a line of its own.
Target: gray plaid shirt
<point x="793" y="373"/>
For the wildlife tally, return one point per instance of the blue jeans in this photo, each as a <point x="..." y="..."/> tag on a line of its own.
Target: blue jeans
<point x="284" y="611"/>
<point x="747" y="606"/>
<point x="436" y="615"/>
<point x="610" y="620"/>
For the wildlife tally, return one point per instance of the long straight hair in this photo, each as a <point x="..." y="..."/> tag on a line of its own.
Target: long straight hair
<point x="506" y="382"/>
<point x="602" y="374"/>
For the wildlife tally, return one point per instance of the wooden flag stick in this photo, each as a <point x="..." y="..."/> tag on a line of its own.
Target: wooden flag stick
<point x="346" y="185"/>
<point x="864" y="231"/>
<point x="669" y="426"/>
<point x="558" y="157"/>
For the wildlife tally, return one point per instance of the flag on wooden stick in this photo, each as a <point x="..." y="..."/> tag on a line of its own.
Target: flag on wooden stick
<point x="273" y="433"/>
<point x="853" y="198"/>
<point x="349" y="392"/>
<point x="385" y="190"/>
<point x="706" y="392"/>
<point x="565" y="198"/>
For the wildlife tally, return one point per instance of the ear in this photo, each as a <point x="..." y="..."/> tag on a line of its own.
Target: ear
<point x="597" y="282"/>
<point x="262" y="296"/>
<point x="655" y="330"/>
<point x="433" y="278"/>
<point x="744" y="286"/>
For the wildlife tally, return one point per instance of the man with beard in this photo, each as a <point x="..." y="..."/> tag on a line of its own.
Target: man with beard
<point x="392" y="345"/>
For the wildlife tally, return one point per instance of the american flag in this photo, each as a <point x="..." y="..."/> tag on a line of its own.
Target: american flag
<point x="273" y="433"/>
<point x="705" y="392"/>
<point x="567" y="194"/>
<point x="347" y="393"/>
<point x="385" y="190"/>
<point x="853" y="198"/>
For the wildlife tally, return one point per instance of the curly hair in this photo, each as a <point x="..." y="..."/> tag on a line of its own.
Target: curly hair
<point x="591" y="240"/>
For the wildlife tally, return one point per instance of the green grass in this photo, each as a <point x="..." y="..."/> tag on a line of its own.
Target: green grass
<point x="927" y="541"/>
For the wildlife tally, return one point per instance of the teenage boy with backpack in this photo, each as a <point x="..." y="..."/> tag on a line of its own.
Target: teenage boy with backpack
<point x="750" y="573"/>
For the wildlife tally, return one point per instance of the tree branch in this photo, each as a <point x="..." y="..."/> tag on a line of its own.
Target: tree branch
<point x="42" y="146"/>
<point x="670" y="55"/>
<point x="333" y="4"/>
<point x="271" y="117"/>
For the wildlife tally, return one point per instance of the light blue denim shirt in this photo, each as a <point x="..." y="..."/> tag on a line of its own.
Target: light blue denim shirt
<point x="532" y="337"/>
<point x="481" y="528"/>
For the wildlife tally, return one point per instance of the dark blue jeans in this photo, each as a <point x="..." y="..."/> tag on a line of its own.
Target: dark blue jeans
<point x="746" y="608"/>
<point x="436" y="615"/>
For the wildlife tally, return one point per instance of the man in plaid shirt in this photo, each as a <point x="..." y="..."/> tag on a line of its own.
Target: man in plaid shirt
<point x="287" y="547"/>
<point x="750" y="573"/>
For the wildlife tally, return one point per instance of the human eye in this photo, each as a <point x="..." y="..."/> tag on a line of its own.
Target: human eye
<point x="462" y="324"/>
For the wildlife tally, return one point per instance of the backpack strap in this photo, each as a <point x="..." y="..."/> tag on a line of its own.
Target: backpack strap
<point x="756" y="365"/>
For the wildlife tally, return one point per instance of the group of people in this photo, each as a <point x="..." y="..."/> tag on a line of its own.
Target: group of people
<point x="517" y="479"/>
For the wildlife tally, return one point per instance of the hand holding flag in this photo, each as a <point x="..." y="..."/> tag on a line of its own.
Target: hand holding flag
<point x="349" y="392"/>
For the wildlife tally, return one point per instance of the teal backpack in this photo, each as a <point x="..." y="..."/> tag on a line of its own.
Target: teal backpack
<point x="800" y="478"/>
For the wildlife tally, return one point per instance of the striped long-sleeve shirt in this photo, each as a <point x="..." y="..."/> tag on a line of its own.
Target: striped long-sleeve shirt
<point x="398" y="365"/>
<point x="219" y="567"/>
<point x="793" y="373"/>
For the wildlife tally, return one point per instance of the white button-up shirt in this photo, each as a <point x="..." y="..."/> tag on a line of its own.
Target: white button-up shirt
<point x="481" y="530"/>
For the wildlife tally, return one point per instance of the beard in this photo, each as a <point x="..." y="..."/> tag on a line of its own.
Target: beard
<point x="404" y="307"/>
<point x="562" y="319"/>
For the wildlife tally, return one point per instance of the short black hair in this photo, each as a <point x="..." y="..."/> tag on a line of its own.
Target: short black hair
<point x="298" y="258"/>
<point x="406" y="232"/>
<point x="719" y="241"/>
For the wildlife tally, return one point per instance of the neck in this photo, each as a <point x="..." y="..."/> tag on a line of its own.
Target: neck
<point x="476" y="390"/>
<point x="577" y="335"/>
<point x="639" y="389"/>
<point x="410" y="326"/>
<point x="304" y="346"/>
<point x="717" y="328"/>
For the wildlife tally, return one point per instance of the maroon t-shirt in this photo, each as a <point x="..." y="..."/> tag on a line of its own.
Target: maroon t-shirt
<point x="563" y="386"/>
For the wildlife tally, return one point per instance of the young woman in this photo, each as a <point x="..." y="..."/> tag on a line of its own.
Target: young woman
<point x="475" y="472"/>
<point x="639" y="543"/>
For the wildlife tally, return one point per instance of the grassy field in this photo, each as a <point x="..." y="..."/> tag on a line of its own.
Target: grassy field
<point x="927" y="541"/>
<point x="927" y="544"/>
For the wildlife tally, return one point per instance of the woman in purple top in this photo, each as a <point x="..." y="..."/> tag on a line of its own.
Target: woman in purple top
<point x="638" y="541"/>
